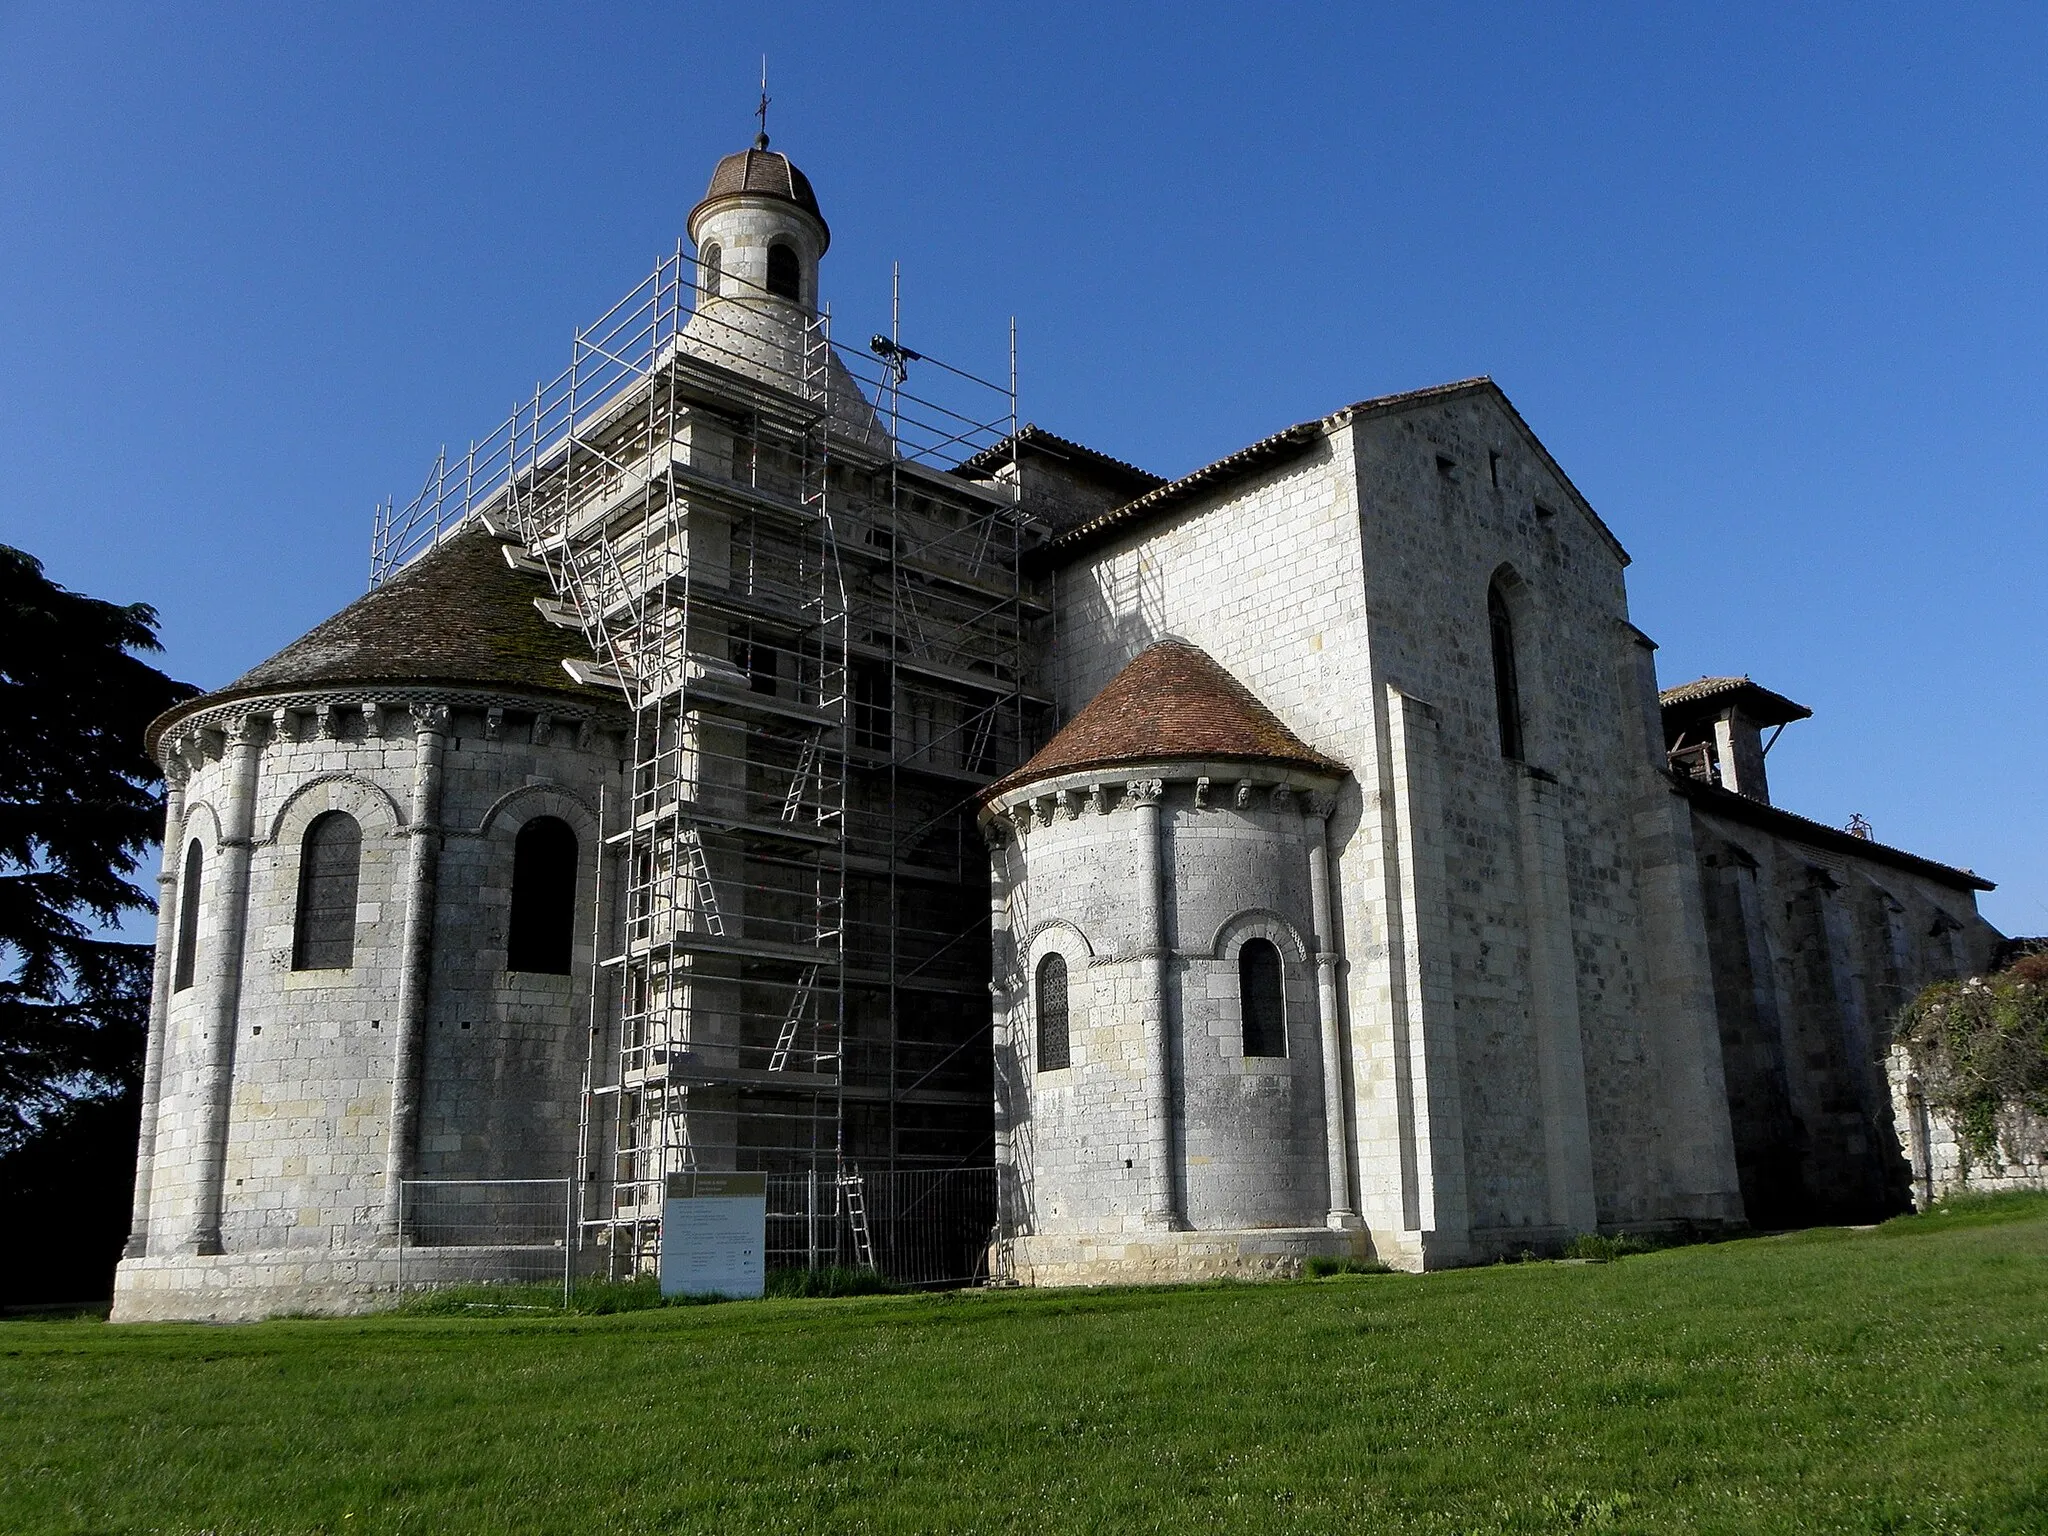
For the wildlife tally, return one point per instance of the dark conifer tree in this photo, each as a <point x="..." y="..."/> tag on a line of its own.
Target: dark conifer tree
<point x="81" y="803"/>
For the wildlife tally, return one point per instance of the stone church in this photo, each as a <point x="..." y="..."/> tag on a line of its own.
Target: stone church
<point x="1297" y="857"/>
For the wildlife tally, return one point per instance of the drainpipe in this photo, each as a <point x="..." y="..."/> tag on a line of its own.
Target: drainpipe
<point x="167" y="904"/>
<point x="1146" y="798"/>
<point x="430" y="732"/>
<point x="224" y="1005"/>
<point x="1322" y="896"/>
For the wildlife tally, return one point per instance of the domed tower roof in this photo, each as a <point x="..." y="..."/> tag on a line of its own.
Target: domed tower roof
<point x="1171" y="701"/>
<point x="458" y="616"/>
<point x="760" y="172"/>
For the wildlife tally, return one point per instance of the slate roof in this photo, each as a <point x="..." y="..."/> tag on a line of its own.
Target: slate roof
<point x="458" y="615"/>
<point x="1719" y="693"/>
<point x="760" y="172"/>
<point x="1171" y="701"/>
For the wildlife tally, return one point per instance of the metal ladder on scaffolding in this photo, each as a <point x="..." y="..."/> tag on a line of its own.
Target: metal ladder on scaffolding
<point x="697" y="866"/>
<point x="853" y="1194"/>
<point x="793" y="1020"/>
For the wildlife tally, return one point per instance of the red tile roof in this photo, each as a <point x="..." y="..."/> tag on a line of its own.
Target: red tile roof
<point x="1172" y="701"/>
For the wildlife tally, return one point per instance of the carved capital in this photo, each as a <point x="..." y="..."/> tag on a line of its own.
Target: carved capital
<point x="177" y="772"/>
<point x="1320" y="804"/>
<point x="995" y="832"/>
<point x="1143" y="792"/>
<point x="252" y="729"/>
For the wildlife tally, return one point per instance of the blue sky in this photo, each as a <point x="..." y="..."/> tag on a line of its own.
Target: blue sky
<point x="1766" y="279"/>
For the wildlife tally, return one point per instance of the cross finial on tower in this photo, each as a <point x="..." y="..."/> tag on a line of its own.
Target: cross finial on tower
<point x="761" y="138"/>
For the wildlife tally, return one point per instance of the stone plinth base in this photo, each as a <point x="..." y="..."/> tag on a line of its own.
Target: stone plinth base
<point x="325" y="1282"/>
<point x="1163" y="1258"/>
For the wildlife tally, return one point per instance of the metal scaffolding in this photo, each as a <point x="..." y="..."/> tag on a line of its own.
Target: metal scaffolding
<point x="819" y="621"/>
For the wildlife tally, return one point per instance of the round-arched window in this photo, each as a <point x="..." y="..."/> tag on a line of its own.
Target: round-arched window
<point x="330" y="866"/>
<point x="541" y="936"/>
<point x="785" y="275"/>
<point x="1053" y="1053"/>
<point x="710" y="269"/>
<point x="1262" y="999"/>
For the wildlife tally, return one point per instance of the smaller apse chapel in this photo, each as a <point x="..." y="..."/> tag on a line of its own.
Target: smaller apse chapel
<point x="1295" y="858"/>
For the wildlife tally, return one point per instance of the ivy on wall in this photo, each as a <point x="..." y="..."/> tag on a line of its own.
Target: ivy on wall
<point x="1980" y="1049"/>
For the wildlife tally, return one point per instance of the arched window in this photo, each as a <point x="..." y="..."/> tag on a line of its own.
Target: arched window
<point x="1261" y="999"/>
<point x="188" y="918"/>
<point x="330" y="863"/>
<point x="710" y="269"/>
<point x="1507" y="687"/>
<point x="1052" y="1014"/>
<point x="785" y="278"/>
<point x="542" y="932"/>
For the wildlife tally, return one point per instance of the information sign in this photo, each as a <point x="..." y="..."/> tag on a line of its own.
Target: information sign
<point x="714" y="1233"/>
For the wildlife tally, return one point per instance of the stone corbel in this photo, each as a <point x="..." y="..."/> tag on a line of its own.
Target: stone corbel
<point x="582" y="734"/>
<point x="373" y="721"/>
<point x="1242" y="799"/>
<point x="494" y="723"/>
<point x="1063" y="807"/>
<point x="1020" y="818"/>
<point x="543" y="728"/>
<point x="1041" y="808"/>
<point x="1202" y="793"/>
<point x="1097" y="801"/>
<point x="1283" y="798"/>
<point x="327" y="722"/>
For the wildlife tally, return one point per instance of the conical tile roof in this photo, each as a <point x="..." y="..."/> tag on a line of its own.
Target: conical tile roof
<point x="1171" y="701"/>
<point x="458" y="615"/>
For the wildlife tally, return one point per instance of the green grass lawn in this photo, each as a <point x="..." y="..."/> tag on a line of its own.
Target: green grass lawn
<point x="1885" y="1380"/>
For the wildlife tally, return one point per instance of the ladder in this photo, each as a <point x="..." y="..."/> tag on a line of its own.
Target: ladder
<point x="793" y="1019"/>
<point x="806" y="765"/>
<point x="984" y="733"/>
<point x="853" y="1190"/>
<point x="698" y="867"/>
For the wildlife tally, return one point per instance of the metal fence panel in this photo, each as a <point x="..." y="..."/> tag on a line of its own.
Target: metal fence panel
<point x="486" y="1231"/>
<point x="923" y="1226"/>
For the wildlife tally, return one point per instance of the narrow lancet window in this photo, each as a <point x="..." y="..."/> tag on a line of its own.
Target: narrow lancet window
<point x="542" y="933"/>
<point x="1507" y="687"/>
<point x="1052" y="1013"/>
<point x="710" y="269"/>
<point x="188" y="918"/>
<point x="330" y="866"/>
<point x="1262" y="999"/>
<point x="785" y="279"/>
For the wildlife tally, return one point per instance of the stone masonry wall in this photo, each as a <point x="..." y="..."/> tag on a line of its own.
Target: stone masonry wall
<point x="1815" y="951"/>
